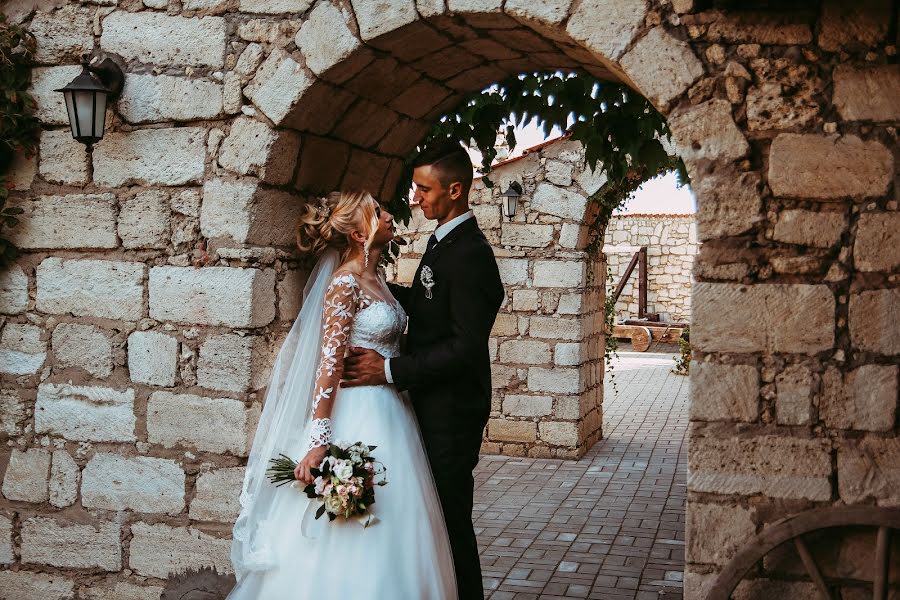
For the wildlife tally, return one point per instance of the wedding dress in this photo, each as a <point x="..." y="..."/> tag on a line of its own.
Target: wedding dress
<point x="280" y="552"/>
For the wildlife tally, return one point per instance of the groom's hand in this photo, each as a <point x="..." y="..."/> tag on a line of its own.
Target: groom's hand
<point x="363" y="366"/>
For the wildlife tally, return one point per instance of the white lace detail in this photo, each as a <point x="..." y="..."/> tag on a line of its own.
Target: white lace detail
<point x="319" y="433"/>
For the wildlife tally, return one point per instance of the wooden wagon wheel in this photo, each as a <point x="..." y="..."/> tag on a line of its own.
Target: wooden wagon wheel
<point x="641" y="339"/>
<point x="792" y="530"/>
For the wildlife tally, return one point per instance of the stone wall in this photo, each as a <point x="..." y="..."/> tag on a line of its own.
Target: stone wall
<point x="162" y="255"/>
<point x="671" y="242"/>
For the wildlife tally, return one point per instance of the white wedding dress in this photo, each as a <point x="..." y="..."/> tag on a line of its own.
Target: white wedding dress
<point x="405" y="554"/>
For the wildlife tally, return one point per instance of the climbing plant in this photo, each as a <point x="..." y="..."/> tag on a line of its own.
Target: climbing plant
<point x="19" y="128"/>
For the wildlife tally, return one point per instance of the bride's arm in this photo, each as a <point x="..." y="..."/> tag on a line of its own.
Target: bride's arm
<point x="341" y="301"/>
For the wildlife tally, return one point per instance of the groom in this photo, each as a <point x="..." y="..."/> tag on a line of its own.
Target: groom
<point x="452" y="304"/>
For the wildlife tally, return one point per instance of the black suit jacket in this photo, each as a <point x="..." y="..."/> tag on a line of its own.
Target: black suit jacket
<point x="446" y="367"/>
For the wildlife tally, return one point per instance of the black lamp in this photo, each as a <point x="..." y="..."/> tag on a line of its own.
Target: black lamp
<point x="87" y="97"/>
<point x="511" y="199"/>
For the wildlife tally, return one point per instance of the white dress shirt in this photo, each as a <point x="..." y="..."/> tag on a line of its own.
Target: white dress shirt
<point x="440" y="233"/>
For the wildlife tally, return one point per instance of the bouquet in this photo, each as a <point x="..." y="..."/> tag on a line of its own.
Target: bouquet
<point x="344" y="482"/>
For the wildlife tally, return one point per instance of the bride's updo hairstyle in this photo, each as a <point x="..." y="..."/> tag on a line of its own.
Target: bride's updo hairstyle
<point x="328" y="222"/>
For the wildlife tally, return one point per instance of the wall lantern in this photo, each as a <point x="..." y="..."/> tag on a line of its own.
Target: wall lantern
<point x="511" y="199"/>
<point x="87" y="96"/>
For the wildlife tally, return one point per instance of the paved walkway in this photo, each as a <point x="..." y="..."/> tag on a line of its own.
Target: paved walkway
<point x="610" y="525"/>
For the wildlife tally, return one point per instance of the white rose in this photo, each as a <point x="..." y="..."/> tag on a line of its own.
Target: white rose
<point x="343" y="470"/>
<point x="333" y="504"/>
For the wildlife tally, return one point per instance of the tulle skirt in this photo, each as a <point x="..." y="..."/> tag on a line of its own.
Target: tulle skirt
<point x="404" y="555"/>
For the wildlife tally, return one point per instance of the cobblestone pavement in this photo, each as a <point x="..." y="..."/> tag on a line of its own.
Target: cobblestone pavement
<point x="610" y="525"/>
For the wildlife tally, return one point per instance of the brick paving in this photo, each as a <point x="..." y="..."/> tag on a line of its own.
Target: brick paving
<point x="610" y="525"/>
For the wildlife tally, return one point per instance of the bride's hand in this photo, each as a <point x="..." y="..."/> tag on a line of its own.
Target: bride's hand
<point x="312" y="460"/>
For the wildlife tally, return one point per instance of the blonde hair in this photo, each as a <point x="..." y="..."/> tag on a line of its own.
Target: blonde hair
<point x="328" y="222"/>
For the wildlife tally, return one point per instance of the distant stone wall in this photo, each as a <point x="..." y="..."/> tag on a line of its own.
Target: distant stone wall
<point x="671" y="242"/>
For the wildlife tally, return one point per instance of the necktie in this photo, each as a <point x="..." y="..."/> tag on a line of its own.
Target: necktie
<point x="431" y="242"/>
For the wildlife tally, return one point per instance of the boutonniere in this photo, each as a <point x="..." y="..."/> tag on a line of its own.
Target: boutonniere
<point x="427" y="279"/>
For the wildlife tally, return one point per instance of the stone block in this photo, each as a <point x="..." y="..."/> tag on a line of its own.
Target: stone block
<point x="161" y="98"/>
<point x="254" y="148"/>
<point x="568" y="354"/>
<point x="517" y="405"/>
<point x="501" y="430"/>
<point x="64" y="475"/>
<point x="51" y="106"/>
<point x="505" y="325"/>
<point x="828" y="168"/>
<point x="558" y="381"/>
<point x="707" y="131"/>
<point x="120" y="590"/>
<point x="12" y="412"/>
<point x="159" y="39"/>
<point x="13" y="290"/>
<point x="513" y="271"/>
<point x="809" y="228"/>
<point x="571" y="236"/>
<point x="234" y="297"/>
<point x="21" y="350"/>
<point x="778" y="467"/>
<point x="794" y="386"/>
<point x="161" y="551"/>
<point x="208" y="424"/>
<point x="877" y="246"/>
<point x="869" y="468"/>
<point x="715" y="532"/>
<point x="144" y="220"/>
<point x="71" y="545"/>
<point x="82" y="346"/>
<point x="661" y="66"/>
<point x="727" y="205"/>
<point x="760" y="27"/>
<point x="63" y="160"/>
<point x="6" y="541"/>
<point x="141" y="483"/>
<point x="525" y="300"/>
<point x="217" y="496"/>
<point x="558" y="202"/>
<point x="325" y="39"/>
<point x="290" y="294"/>
<point x="91" y="288"/>
<point x="524" y="352"/>
<point x="869" y="312"/>
<point x="793" y="318"/>
<point x="63" y="35"/>
<point x="560" y="433"/>
<point x="610" y="35"/>
<point x="77" y="221"/>
<point x="170" y="156"/>
<point x="275" y="7"/>
<point x="863" y="399"/>
<point x="559" y="274"/>
<point x="724" y="392"/>
<point x="378" y="17"/>
<point x="530" y="236"/>
<point x="785" y="94"/>
<point x="152" y="358"/>
<point x="226" y="362"/>
<point x="27" y="476"/>
<point x="16" y="585"/>
<point x="870" y="93"/>
<point x="278" y="86"/>
<point x="857" y="25"/>
<point x="248" y="213"/>
<point x="85" y="413"/>
<point x="554" y="328"/>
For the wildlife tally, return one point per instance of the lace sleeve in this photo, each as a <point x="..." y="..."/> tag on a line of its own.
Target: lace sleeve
<point x="341" y="300"/>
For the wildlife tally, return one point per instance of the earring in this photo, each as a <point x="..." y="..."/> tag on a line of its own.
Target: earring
<point x="366" y="250"/>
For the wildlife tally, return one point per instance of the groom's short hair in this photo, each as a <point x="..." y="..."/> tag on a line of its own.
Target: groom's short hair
<point x="450" y="160"/>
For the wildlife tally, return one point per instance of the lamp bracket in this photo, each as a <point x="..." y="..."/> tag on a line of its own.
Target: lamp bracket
<point x="109" y="72"/>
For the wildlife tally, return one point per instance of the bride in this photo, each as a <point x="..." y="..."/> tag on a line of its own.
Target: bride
<point x="279" y="552"/>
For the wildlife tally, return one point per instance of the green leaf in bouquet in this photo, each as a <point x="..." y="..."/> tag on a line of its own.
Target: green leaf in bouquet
<point x="321" y="512"/>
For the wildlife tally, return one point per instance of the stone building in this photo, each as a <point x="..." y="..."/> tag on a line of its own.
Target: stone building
<point x="157" y="273"/>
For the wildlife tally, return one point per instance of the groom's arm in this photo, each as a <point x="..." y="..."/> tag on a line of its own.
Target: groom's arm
<point x="476" y="294"/>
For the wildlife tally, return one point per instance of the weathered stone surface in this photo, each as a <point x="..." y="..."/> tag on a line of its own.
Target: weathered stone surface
<point x="516" y="405"/>
<point x="779" y="467"/>
<point x="610" y="35"/>
<point x="12" y="412"/>
<point x="869" y="468"/>
<point x="6" y="543"/>
<point x="278" y="86"/>
<point x="707" y="131"/>
<point x="869" y="93"/>
<point x="377" y="17"/>
<point x="531" y="236"/>
<point x="524" y="352"/>
<point x="560" y="433"/>
<point x="810" y="228"/>
<point x="159" y="98"/>
<point x="865" y="398"/>
<point x="794" y="391"/>
<point x="85" y="413"/>
<point x="13" y="290"/>
<point x="551" y="328"/>
<point x="71" y="545"/>
<point x="715" y="532"/>
<point x="141" y="483"/>
<point x="568" y="354"/>
<point x="64" y="474"/>
<point x="234" y="297"/>
<point x="75" y="221"/>
<point x="207" y="424"/>
<point x="325" y="39"/>
<point x="91" y="288"/>
<point x="501" y="430"/>
<point x="120" y="590"/>
<point x="248" y="213"/>
<point x="226" y="362"/>
<point x="559" y="202"/>
<point x="559" y="381"/>
<point x="877" y="246"/>
<point x="870" y="311"/>
<point x="51" y="106"/>
<point x="153" y="38"/>
<point x="727" y="204"/>
<point x="173" y="156"/>
<point x="275" y="6"/>
<point x="63" y="160"/>
<point x="661" y="66"/>
<point x="144" y="220"/>
<point x="217" y="497"/>
<point x="557" y="273"/>
<point x="856" y="25"/>
<point x="152" y="358"/>
<point x="64" y="34"/>
<point x="83" y="346"/>
<point x="779" y="318"/>
<point x="760" y="27"/>
<point x="253" y="148"/>
<point x="160" y="550"/>
<point x="21" y="350"/>
<point x="760" y="589"/>
<point x="786" y="95"/>
<point x="724" y="392"/>
<point x="27" y="475"/>
<point x="813" y="166"/>
<point x="16" y="585"/>
<point x="513" y="271"/>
